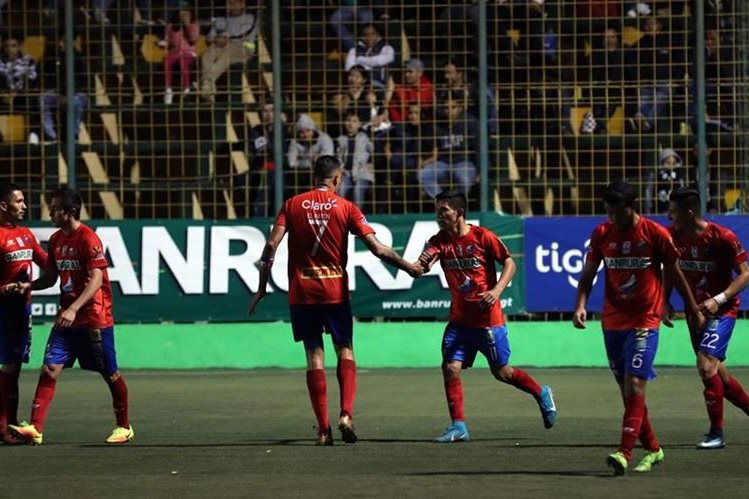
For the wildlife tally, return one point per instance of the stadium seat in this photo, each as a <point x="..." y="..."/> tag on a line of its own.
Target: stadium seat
<point x="150" y="49"/>
<point x="13" y="128"/>
<point x="577" y="115"/>
<point x="730" y="197"/>
<point x="33" y="46"/>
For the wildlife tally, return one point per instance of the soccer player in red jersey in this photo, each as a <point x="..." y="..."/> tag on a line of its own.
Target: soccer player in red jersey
<point x="467" y="254"/>
<point x="318" y="223"/>
<point x="84" y="327"/>
<point x="633" y="249"/>
<point x="18" y="248"/>
<point x="710" y="254"/>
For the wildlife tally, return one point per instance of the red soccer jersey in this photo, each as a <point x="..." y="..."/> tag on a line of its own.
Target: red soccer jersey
<point x="18" y="248"/>
<point x="634" y="290"/>
<point x="74" y="256"/>
<point x="468" y="263"/>
<point x="708" y="260"/>
<point x="318" y="223"/>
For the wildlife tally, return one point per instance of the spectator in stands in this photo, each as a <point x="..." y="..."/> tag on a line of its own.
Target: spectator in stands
<point x="354" y="149"/>
<point x="720" y="75"/>
<point x="670" y="176"/>
<point x="358" y="97"/>
<point x="411" y="146"/>
<point x="656" y="65"/>
<point x="351" y="11"/>
<point x="374" y="54"/>
<point x="101" y="6"/>
<point x="18" y="80"/>
<point x="456" y="153"/>
<point x="607" y="78"/>
<point x="54" y="96"/>
<point x="262" y="164"/>
<point x="416" y="88"/>
<point x="308" y="145"/>
<point x="181" y="35"/>
<point x="232" y="40"/>
<point x="458" y="86"/>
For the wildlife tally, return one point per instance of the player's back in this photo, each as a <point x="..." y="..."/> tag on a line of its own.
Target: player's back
<point x="318" y="223"/>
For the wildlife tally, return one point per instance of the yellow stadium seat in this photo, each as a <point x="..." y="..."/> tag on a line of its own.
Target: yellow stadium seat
<point x="152" y="53"/>
<point x="730" y="196"/>
<point x="13" y="128"/>
<point x="576" y="118"/>
<point x="615" y="125"/>
<point x="201" y="45"/>
<point x="34" y="47"/>
<point x="631" y="35"/>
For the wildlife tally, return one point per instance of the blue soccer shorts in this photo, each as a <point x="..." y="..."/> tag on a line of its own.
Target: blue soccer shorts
<point x="310" y="322"/>
<point x="461" y="343"/>
<point x="631" y="352"/>
<point x="92" y="348"/>
<point x="15" y="333"/>
<point x="713" y="338"/>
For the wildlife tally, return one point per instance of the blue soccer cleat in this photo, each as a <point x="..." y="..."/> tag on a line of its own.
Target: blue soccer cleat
<point x="547" y="406"/>
<point x="712" y="442"/>
<point x="457" y="432"/>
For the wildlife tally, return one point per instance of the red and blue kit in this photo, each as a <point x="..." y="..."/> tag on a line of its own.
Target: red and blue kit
<point x="18" y="249"/>
<point x="468" y="263"/>
<point x="74" y="256"/>
<point x="318" y="223"/>
<point x="708" y="260"/>
<point x="634" y="290"/>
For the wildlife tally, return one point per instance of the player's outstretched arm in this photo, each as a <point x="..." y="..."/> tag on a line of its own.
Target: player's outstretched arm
<point x="266" y="262"/>
<point x="584" y="286"/>
<point x="388" y="255"/>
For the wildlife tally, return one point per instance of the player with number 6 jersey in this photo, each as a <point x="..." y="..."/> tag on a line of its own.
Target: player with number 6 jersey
<point x="319" y="222"/>
<point x="710" y="254"/>
<point x="636" y="252"/>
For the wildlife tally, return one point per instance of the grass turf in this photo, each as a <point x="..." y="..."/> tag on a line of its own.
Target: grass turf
<point x="249" y="434"/>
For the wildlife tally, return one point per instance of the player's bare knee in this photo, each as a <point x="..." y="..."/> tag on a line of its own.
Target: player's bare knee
<point x="451" y="370"/>
<point x="112" y="378"/>
<point x="707" y="366"/>
<point x="11" y="368"/>
<point x="52" y="370"/>
<point x="503" y="374"/>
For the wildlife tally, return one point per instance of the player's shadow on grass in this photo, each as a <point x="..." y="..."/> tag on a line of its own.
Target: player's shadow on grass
<point x="592" y="474"/>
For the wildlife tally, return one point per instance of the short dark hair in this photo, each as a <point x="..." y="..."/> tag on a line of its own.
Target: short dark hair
<point x="361" y="70"/>
<point x="619" y="191"/>
<point x="686" y="198"/>
<point x="326" y="167"/>
<point x="455" y="199"/>
<point x="70" y="200"/>
<point x="8" y="188"/>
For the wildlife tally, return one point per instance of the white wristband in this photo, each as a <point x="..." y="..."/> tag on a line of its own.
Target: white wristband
<point x="720" y="298"/>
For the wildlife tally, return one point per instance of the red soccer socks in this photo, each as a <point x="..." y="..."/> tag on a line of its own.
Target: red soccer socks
<point x="45" y="392"/>
<point x="735" y="394"/>
<point x="346" y="373"/>
<point x="713" y="394"/>
<point x="523" y="381"/>
<point x="118" y="389"/>
<point x="647" y="434"/>
<point x="316" y="385"/>
<point x="454" y="394"/>
<point x="634" y="412"/>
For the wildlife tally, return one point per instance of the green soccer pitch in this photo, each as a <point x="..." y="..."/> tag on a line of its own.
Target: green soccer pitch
<point x="249" y="433"/>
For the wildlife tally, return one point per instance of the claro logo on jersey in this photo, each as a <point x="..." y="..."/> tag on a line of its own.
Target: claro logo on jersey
<point x="554" y="259"/>
<point x="309" y="204"/>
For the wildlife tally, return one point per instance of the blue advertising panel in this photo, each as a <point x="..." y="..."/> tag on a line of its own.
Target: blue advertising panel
<point x="554" y="255"/>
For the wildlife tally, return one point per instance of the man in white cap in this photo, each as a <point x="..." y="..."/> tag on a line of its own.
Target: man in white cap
<point x="308" y="145"/>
